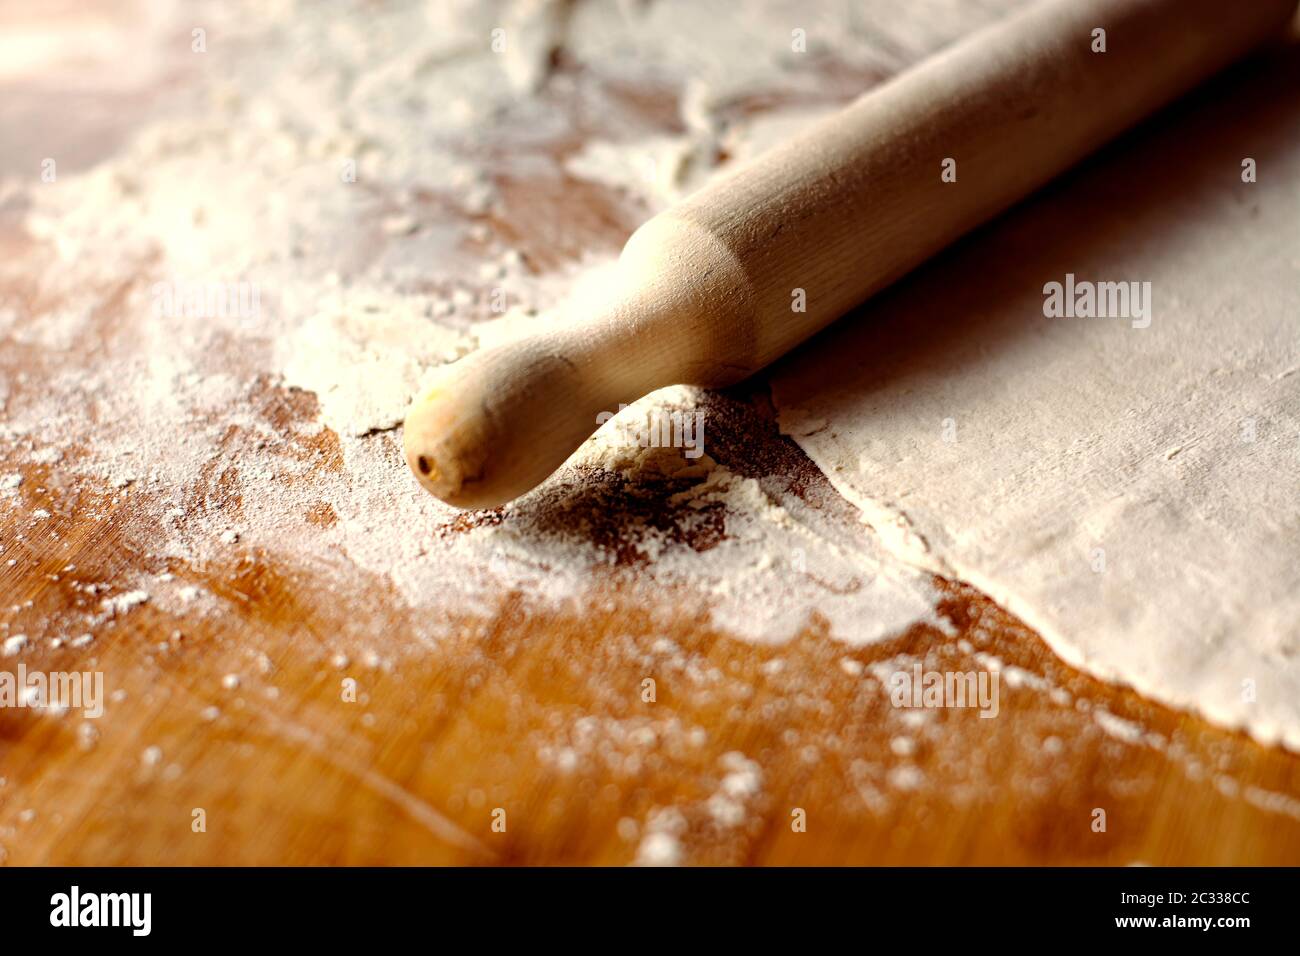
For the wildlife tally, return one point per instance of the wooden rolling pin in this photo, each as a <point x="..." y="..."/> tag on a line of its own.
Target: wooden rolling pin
<point x="705" y="292"/>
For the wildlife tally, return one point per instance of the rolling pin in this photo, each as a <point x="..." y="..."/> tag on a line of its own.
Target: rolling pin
<point x="705" y="293"/>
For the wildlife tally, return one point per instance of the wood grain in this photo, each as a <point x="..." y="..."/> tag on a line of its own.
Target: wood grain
<point x="541" y="715"/>
<point x="536" y="712"/>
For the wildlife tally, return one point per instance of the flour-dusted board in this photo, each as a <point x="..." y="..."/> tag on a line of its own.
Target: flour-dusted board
<point x="213" y="314"/>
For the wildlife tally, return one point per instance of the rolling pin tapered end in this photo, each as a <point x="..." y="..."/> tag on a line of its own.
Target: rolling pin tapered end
<point x="497" y="423"/>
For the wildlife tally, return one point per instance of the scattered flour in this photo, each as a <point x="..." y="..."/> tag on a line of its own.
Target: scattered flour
<point x="325" y="206"/>
<point x="122" y="603"/>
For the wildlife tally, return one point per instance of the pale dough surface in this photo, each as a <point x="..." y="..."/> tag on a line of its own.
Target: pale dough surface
<point x="1130" y="493"/>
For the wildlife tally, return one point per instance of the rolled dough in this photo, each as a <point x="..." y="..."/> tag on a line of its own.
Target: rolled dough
<point x="1129" y="492"/>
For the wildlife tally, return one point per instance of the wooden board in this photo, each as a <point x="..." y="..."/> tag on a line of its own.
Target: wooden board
<point x="543" y="716"/>
<point x="538" y="717"/>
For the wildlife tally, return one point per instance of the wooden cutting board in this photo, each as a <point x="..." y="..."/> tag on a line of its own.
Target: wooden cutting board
<point x="541" y="716"/>
<point x="526" y="737"/>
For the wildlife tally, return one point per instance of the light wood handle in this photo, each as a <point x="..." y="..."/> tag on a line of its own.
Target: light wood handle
<point x="705" y="290"/>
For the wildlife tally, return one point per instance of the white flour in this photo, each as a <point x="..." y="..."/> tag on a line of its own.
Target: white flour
<point x="384" y="180"/>
<point x="474" y="171"/>
<point x="372" y="173"/>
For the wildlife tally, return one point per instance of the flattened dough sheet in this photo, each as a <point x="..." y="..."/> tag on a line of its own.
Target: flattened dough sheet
<point x="1133" y="494"/>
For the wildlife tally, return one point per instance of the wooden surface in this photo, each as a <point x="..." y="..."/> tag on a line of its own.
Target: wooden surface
<point x="540" y="714"/>
<point x="289" y="773"/>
